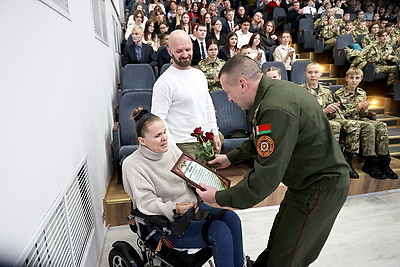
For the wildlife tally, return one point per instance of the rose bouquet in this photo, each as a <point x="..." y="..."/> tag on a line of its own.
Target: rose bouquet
<point x="205" y="146"/>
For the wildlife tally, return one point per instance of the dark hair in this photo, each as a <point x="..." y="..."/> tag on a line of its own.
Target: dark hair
<point x="143" y="118"/>
<point x="265" y="26"/>
<point x="147" y="32"/>
<point x="227" y="45"/>
<point x="211" y="42"/>
<point x="245" y="19"/>
<point x="252" y="39"/>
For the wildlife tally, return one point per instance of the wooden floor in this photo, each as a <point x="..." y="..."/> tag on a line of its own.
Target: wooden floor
<point x="116" y="202"/>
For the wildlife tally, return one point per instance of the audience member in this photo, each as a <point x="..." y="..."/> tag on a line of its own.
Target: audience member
<point x="243" y="34"/>
<point x="323" y="21"/>
<point x="309" y="9"/>
<point x="172" y="7"/>
<point x="332" y="110"/>
<point x="274" y="73"/>
<point x="268" y="37"/>
<point x="230" y="25"/>
<point x="149" y="35"/>
<point x="199" y="45"/>
<point x="284" y="52"/>
<point x="155" y="190"/>
<point x="240" y="14"/>
<point x="212" y="10"/>
<point x="158" y="18"/>
<point x="349" y="29"/>
<point x="138" y="18"/>
<point x="374" y="134"/>
<point x="257" y="53"/>
<point x="138" y="52"/>
<point x="230" y="49"/>
<point x="330" y="32"/>
<point x="246" y="50"/>
<point x="362" y="28"/>
<point x="369" y="12"/>
<point x="337" y="9"/>
<point x="293" y="18"/>
<point x="184" y="107"/>
<point x="359" y="18"/>
<point x="177" y="19"/>
<point x="257" y="23"/>
<point x="163" y="56"/>
<point x="212" y="65"/>
<point x="193" y="12"/>
<point x="371" y="38"/>
<point x="227" y="5"/>
<point x="216" y="33"/>
<point x="156" y="3"/>
<point x="185" y="24"/>
<point x="381" y="54"/>
<point x="208" y="22"/>
<point x="349" y="6"/>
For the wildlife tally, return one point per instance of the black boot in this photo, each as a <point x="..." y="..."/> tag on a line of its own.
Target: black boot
<point x="371" y="167"/>
<point x="385" y="167"/>
<point x="349" y="157"/>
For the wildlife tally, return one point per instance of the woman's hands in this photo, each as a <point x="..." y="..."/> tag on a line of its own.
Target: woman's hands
<point x="182" y="207"/>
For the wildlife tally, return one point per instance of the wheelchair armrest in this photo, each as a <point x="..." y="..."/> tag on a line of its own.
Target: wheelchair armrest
<point x="369" y="72"/>
<point x="158" y="220"/>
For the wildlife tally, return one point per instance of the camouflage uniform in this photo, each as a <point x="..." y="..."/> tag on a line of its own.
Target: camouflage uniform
<point x="329" y="33"/>
<point x="337" y="120"/>
<point x="374" y="134"/>
<point x="392" y="39"/>
<point x="360" y="32"/>
<point x="369" y="39"/>
<point x="377" y="54"/>
<point x="211" y="70"/>
<point x="323" y="21"/>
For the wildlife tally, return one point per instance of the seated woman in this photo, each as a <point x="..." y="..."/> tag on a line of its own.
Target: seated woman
<point x="284" y="52"/>
<point x="216" y="33"/>
<point x="268" y="37"/>
<point x="257" y="53"/>
<point x="230" y="49"/>
<point x="211" y="66"/>
<point x="155" y="190"/>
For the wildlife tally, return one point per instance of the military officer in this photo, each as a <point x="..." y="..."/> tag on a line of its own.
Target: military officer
<point x="292" y="143"/>
<point x="332" y="111"/>
<point x="380" y="53"/>
<point x="374" y="134"/>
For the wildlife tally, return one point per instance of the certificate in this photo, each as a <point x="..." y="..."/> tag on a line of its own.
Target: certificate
<point x="195" y="173"/>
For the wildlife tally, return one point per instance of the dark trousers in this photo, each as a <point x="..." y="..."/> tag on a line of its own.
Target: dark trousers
<point x="301" y="227"/>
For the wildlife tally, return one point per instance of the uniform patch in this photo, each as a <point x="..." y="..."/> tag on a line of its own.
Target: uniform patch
<point x="263" y="129"/>
<point x="265" y="146"/>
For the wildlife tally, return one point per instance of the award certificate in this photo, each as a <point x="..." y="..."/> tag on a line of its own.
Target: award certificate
<point x="195" y="173"/>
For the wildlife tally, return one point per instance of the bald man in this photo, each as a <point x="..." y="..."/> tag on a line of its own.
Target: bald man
<point x="181" y="97"/>
<point x="292" y="143"/>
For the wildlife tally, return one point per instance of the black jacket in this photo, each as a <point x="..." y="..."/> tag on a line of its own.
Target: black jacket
<point x="148" y="55"/>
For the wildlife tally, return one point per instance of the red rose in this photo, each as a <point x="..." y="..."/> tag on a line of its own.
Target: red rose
<point x="198" y="131"/>
<point x="209" y="136"/>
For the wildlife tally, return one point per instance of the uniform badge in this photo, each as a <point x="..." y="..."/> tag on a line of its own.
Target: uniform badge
<point x="265" y="146"/>
<point x="263" y="129"/>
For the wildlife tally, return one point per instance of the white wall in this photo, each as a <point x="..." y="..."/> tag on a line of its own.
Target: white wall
<point x="57" y="91"/>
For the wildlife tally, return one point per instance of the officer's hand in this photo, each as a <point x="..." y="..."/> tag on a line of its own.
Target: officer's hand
<point x="222" y="160"/>
<point x="208" y="195"/>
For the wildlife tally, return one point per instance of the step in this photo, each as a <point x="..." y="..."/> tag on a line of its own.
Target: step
<point x="305" y="56"/>
<point x="377" y="109"/>
<point x="394" y="135"/>
<point x="388" y="119"/>
<point x="394" y="150"/>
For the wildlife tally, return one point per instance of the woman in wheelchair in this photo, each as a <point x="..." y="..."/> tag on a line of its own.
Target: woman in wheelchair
<point x="155" y="190"/>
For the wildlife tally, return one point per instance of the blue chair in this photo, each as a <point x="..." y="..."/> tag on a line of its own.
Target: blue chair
<point x="339" y="54"/>
<point x="271" y="53"/>
<point x="124" y="136"/>
<point x="164" y="68"/>
<point x="298" y="70"/>
<point x="304" y="24"/>
<point x="279" y="65"/>
<point x="137" y="76"/>
<point x="230" y="118"/>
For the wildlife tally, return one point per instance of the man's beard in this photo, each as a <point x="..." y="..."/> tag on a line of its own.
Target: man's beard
<point x="180" y="63"/>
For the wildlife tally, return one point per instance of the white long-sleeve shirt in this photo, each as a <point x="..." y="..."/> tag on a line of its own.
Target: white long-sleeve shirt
<point x="182" y="100"/>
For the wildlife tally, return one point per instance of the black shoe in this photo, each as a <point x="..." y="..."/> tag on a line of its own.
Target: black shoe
<point x="374" y="172"/>
<point x="353" y="173"/>
<point x="389" y="173"/>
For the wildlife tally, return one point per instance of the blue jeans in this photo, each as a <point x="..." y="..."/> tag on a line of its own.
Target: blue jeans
<point x="225" y="235"/>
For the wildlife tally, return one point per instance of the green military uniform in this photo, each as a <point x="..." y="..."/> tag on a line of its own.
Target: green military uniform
<point x="337" y="120"/>
<point x="369" y="39"/>
<point x="301" y="152"/>
<point x="360" y="32"/>
<point x="392" y="39"/>
<point x="330" y="33"/>
<point x="211" y="70"/>
<point x="374" y="134"/>
<point x="377" y="54"/>
<point x="323" y="21"/>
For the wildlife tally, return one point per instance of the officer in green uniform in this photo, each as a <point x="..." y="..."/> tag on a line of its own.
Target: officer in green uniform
<point x="292" y="143"/>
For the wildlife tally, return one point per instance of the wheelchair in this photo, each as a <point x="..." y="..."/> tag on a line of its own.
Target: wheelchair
<point x="124" y="255"/>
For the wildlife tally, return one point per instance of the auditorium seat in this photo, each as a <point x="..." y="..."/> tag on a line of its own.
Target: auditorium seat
<point x="231" y="120"/>
<point x="279" y="65"/>
<point x="164" y="68"/>
<point x="298" y="69"/>
<point x="124" y="136"/>
<point x="339" y="54"/>
<point x="134" y="76"/>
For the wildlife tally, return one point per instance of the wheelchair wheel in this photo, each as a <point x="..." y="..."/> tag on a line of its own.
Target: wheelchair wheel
<point x="118" y="259"/>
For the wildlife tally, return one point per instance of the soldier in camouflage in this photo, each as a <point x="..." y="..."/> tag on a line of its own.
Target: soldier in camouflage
<point x="374" y="134"/>
<point x="381" y="54"/>
<point x="330" y="32"/>
<point x="211" y="66"/>
<point x="323" y="20"/>
<point x="337" y="121"/>
<point x="361" y="28"/>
